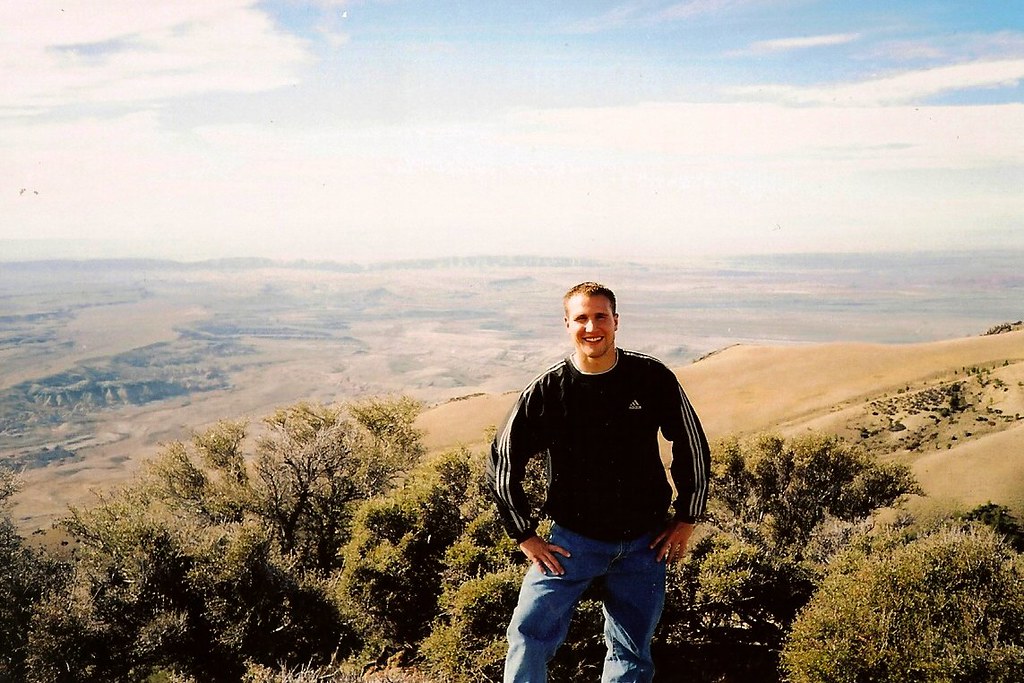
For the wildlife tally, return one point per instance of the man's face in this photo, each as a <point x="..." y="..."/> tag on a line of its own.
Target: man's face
<point x="592" y="325"/>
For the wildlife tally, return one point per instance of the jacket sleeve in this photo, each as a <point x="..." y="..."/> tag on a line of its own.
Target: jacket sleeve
<point x="520" y="438"/>
<point x="691" y="456"/>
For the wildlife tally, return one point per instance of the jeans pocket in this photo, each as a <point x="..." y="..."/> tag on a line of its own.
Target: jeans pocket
<point x="562" y="537"/>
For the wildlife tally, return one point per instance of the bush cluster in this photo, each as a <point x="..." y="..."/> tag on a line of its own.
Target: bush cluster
<point x="335" y="549"/>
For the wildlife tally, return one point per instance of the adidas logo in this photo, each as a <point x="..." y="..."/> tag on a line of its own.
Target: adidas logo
<point x="635" y="405"/>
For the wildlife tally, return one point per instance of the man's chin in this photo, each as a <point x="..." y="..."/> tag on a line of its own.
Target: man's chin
<point x="595" y="354"/>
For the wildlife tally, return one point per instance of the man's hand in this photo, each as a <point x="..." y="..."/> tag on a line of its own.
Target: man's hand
<point x="543" y="554"/>
<point x="671" y="543"/>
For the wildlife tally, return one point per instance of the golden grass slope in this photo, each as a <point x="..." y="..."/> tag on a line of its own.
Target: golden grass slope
<point x="895" y="399"/>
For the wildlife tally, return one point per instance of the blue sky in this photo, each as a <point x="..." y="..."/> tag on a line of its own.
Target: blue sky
<point x="370" y="130"/>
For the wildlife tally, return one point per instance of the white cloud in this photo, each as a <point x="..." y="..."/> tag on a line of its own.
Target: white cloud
<point x="952" y="47"/>
<point x="55" y="53"/>
<point x="646" y="13"/>
<point x="771" y="135"/>
<point x="656" y="179"/>
<point x="723" y="175"/>
<point x="803" y="42"/>
<point x="616" y="17"/>
<point x="695" y="8"/>
<point x="907" y="87"/>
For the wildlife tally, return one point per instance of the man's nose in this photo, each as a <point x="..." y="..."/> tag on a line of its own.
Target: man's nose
<point x="589" y="327"/>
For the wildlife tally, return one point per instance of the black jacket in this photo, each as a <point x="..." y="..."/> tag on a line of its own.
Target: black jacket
<point x="606" y="479"/>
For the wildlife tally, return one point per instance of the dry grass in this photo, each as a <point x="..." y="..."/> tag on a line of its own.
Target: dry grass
<point x="971" y="458"/>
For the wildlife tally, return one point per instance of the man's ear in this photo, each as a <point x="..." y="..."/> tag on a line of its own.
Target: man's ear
<point x="616" y="316"/>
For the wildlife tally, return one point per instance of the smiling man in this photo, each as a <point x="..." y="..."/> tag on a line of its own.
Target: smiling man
<point x="596" y="416"/>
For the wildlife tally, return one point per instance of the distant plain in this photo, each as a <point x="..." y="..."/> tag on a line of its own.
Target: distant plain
<point x="102" y="361"/>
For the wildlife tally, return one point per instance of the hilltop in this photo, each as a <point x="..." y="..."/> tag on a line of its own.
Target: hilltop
<point x="952" y="410"/>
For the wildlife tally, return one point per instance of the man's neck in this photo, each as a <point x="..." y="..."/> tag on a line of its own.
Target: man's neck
<point x="596" y="366"/>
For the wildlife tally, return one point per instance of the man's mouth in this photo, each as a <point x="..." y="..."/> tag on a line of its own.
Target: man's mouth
<point x="592" y="340"/>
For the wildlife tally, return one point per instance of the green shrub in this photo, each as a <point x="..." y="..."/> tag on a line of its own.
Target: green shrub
<point x="468" y="644"/>
<point x="27" y="576"/>
<point x="945" y="606"/>
<point x="214" y="560"/>
<point x="316" y="464"/>
<point x="778" y="509"/>
<point x="394" y="561"/>
<point x="157" y="592"/>
<point x="788" y="489"/>
<point x="999" y="518"/>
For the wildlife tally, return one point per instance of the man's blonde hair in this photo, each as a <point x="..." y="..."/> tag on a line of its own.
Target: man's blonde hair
<point x="589" y="289"/>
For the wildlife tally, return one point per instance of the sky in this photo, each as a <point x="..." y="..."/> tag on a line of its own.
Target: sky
<point x="370" y="130"/>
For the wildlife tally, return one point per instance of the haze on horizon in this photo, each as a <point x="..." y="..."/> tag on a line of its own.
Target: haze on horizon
<point x="371" y="130"/>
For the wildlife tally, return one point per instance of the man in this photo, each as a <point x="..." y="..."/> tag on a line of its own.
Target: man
<point x="596" y="415"/>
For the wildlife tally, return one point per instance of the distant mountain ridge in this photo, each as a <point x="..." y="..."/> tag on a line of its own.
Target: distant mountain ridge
<point x="247" y="263"/>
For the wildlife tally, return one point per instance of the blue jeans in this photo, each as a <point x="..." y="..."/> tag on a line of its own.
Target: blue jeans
<point x="634" y="594"/>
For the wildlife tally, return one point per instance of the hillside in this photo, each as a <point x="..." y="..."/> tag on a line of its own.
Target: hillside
<point x="952" y="410"/>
